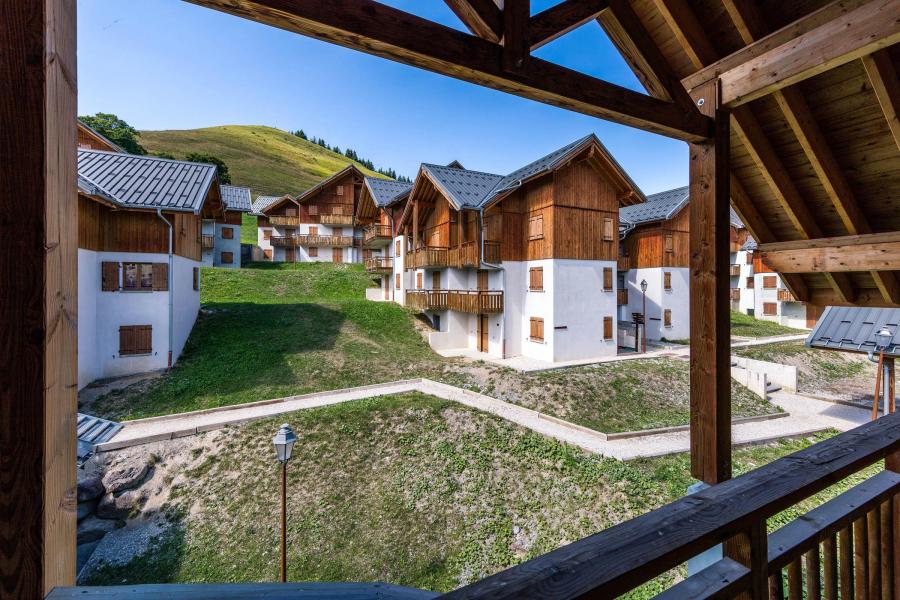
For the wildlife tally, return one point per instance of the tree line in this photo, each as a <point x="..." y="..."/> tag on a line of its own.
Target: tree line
<point x="352" y="155"/>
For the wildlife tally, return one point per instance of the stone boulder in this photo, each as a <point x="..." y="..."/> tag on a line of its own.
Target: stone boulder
<point x="90" y="488"/>
<point x="120" y="506"/>
<point x="93" y="529"/>
<point x="86" y="508"/>
<point x="125" y="477"/>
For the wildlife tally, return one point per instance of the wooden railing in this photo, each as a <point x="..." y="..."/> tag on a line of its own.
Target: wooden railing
<point x="624" y="263"/>
<point x="325" y="240"/>
<point x="735" y="270"/>
<point x="207" y="241"/>
<point x="329" y="219"/>
<point x="492" y="252"/>
<point x="622" y="296"/>
<point x="283" y="220"/>
<point x="377" y="233"/>
<point x="476" y="301"/>
<point x="379" y="264"/>
<point x="785" y="295"/>
<point x="464" y="255"/>
<point x="430" y="256"/>
<point x="427" y="299"/>
<point x="289" y="241"/>
<point x="852" y="537"/>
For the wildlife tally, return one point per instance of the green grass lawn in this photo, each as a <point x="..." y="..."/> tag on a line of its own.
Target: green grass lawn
<point x="407" y="489"/>
<point x="747" y="326"/>
<point x="248" y="229"/>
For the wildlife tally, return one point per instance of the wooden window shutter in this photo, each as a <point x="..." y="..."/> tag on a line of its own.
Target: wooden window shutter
<point x="196" y="279"/>
<point x="313" y="209"/>
<point x="536" y="227"/>
<point x="397" y="248"/>
<point x="750" y="258"/>
<point x="109" y="277"/>
<point x="608" y="234"/>
<point x="770" y="309"/>
<point x="536" y="278"/>
<point x="397" y="280"/>
<point x="313" y="251"/>
<point x="667" y="317"/>
<point x="419" y="280"/>
<point x="769" y="282"/>
<point x="160" y="277"/>
<point x="669" y="243"/>
<point x="135" y="339"/>
<point x="607" y="328"/>
<point x="290" y="211"/>
<point x="607" y="279"/>
<point x="750" y="283"/>
<point x="667" y="280"/>
<point x="227" y="258"/>
<point x="267" y="234"/>
<point x="227" y="233"/>
<point x="537" y="329"/>
<point x="268" y="253"/>
<point x="313" y="231"/>
<point x="340" y="191"/>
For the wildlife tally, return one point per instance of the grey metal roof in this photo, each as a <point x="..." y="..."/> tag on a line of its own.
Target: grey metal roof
<point x="236" y="197"/>
<point x="749" y="245"/>
<point x="263" y="202"/>
<point x="91" y="431"/>
<point x="853" y="329"/>
<point x="86" y="186"/>
<point x="386" y="191"/>
<point x="663" y="206"/>
<point x="466" y="189"/>
<point x="147" y="181"/>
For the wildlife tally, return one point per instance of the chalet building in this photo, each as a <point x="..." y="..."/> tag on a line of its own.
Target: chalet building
<point x="516" y="265"/>
<point x="221" y="237"/>
<point x="139" y="257"/>
<point x="91" y="139"/>
<point x="655" y="248"/>
<point x="381" y="204"/>
<point x="319" y="225"/>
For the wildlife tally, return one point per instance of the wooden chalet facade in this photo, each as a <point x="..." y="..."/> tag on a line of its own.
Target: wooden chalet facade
<point x="221" y="236"/>
<point x="380" y="208"/>
<point x="319" y="225"/>
<point x="790" y="111"/>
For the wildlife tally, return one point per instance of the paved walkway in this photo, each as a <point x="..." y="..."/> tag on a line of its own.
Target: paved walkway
<point x="806" y="416"/>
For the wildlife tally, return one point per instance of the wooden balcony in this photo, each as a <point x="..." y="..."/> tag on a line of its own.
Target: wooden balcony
<point x="207" y="241"/>
<point x="622" y="296"/>
<point x="377" y="235"/>
<point x="283" y="220"/>
<point x="735" y="294"/>
<point x="476" y="301"/>
<point x="284" y="241"/>
<point x="427" y="299"/>
<point x="379" y="264"/>
<point x="336" y="219"/>
<point x="625" y="263"/>
<point x="785" y="295"/>
<point x="428" y="257"/>
<point x="324" y="240"/>
<point x="734" y="271"/>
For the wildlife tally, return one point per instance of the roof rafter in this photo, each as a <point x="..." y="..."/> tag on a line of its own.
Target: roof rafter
<point x="883" y="77"/>
<point x="562" y="18"/>
<point x="381" y="30"/>
<point x="482" y="17"/>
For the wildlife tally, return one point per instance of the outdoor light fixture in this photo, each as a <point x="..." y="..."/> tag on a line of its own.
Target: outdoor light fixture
<point x="884" y="376"/>
<point x="284" y="442"/>
<point x="883" y="338"/>
<point x="644" y="285"/>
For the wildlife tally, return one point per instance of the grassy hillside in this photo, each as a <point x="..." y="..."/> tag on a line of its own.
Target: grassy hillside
<point x="270" y="161"/>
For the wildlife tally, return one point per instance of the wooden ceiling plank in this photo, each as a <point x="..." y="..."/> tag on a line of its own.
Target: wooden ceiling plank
<point x="482" y="17"/>
<point x="683" y="23"/>
<point x="748" y="213"/>
<point x="852" y="35"/>
<point x="562" y="18"/>
<point x="381" y="30"/>
<point x="883" y="77"/>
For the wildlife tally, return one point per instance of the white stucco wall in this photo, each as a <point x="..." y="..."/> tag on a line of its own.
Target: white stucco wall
<point x="225" y="245"/>
<point x="88" y="290"/>
<point x="579" y="305"/>
<point x="348" y="254"/>
<point x="748" y="295"/>
<point x="677" y="299"/>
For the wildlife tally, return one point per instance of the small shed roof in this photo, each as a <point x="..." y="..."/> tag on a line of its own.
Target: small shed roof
<point x="263" y="202"/>
<point x="134" y="181"/>
<point x="852" y="329"/>
<point x="386" y="191"/>
<point x="236" y="197"/>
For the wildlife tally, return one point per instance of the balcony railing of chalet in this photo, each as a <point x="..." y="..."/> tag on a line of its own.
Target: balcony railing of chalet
<point x="429" y="256"/>
<point x="379" y="264"/>
<point x="207" y="241"/>
<point x="476" y="301"/>
<point x="377" y="234"/>
<point x="283" y="220"/>
<point x="624" y="263"/>
<point x="325" y="240"/>
<point x="427" y="299"/>
<point x="330" y="219"/>
<point x="735" y="270"/>
<point x="785" y="295"/>
<point x="849" y="544"/>
<point x="735" y="294"/>
<point x="622" y="296"/>
<point x="281" y="241"/>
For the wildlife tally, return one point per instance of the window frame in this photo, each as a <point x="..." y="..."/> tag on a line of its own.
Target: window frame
<point x="141" y="267"/>
<point x="607" y="328"/>
<point x="313" y="251"/>
<point x="230" y="256"/>
<point x="667" y="317"/>
<point x="532" y="271"/>
<point x="227" y="233"/>
<point x="533" y="219"/>
<point x="533" y="321"/>
<point x="608" y="281"/>
<point x="667" y="281"/>
<point x="136" y="351"/>
<point x="765" y="311"/>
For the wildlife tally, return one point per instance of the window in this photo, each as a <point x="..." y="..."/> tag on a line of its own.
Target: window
<point x="537" y="329"/>
<point x="536" y="227"/>
<point x="196" y="279"/>
<point x="397" y="281"/>
<point x="607" y="328"/>
<point x="436" y="280"/>
<point x="536" y="279"/>
<point x="397" y="248"/>
<point x="750" y="258"/>
<point x="313" y="209"/>
<point x="313" y="230"/>
<point x="667" y="317"/>
<point x="109" y="277"/>
<point x="338" y="231"/>
<point x="267" y="234"/>
<point x="667" y="280"/>
<point x="227" y="233"/>
<point x="419" y="280"/>
<point x="313" y="251"/>
<point x="268" y="253"/>
<point x="290" y="211"/>
<point x="608" y="230"/>
<point x="770" y="309"/>
<point x="770" y="282"/>
<point x="750" y="283"/>
<point x="669" y="243"/>
<point x="145" y="277"/>
<point x="607" y="279"/>
<point x="135" y="340"/>
<point x="227" y="258"/>
<point x="339" y="190"/>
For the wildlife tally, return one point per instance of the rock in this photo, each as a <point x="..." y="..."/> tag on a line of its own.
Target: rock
<point x="125" y="477"/>
<point x="93" y="529"/>
<point x="83" y="554"/>
<point x="90" y="488"/>
<point x="86" y="508"/>
<point x="119" y="506"/>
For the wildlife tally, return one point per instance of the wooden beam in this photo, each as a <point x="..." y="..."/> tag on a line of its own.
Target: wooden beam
<point x="710" y="325"/>
<point x="562" y="18"/>
<point x="38" y="297"/>
<point x="632" y="55"/>
<point x="516" y="46"/>
<point x="872" y="252"/>
<point x="692" y="38"/>
<point x="482" y="17"/>
<point x="853" y="35"/>
<point x="381" y="30"/>
<point x="883" y="77"/>
<point x="751" y="218"/>
<point x="867" y="297"/>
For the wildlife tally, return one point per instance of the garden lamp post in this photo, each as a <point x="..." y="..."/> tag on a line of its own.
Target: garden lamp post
<point x="284" y="443"/>
<point x="882" y="341"/>
<point x="644" y="310"/>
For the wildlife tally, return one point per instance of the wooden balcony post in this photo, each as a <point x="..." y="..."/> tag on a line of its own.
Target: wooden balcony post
<point x="38" y="298"/>
<point x="415" y="219"/>
<point x="709" y="311"/>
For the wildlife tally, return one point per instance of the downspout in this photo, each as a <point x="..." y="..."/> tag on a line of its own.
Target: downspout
<point x="171" y="289"/>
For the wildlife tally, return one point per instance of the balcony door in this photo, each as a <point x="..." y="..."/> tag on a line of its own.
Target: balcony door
<point x="337" y="255"/>
<point x="386" y="284"/>
<point x="482" y="333"/>
<point x="290" y="255"/>
<point x="436" y="280"/>
<point x="482" y="280"/>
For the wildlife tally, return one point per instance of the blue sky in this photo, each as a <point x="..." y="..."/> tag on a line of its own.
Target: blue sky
<point x="168" y="64"/>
